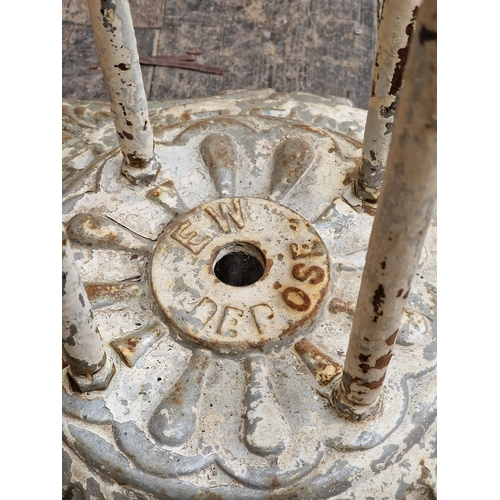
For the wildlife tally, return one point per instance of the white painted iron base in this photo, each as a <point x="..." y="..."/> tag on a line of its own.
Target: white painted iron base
<point x="221" y="391"/>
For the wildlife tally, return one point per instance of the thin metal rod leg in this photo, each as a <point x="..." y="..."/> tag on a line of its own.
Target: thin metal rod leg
<point x="407" y="203"/>
<point x="89" y="366"/>
<point x="119" y="59"/>
<point x="396" y="31"/>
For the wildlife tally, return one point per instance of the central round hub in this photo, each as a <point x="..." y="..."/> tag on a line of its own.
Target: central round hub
<point x="239" y="264"/>
<point x="240" y="273"/>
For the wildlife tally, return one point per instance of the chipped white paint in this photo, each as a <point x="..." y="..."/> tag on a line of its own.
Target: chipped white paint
<point x="82" y="343"/>
<point x="278" y="305"/>
<point x="266" y="431"/>
<point x="119" y="59"/>
<point x="395" y="31"/>
<point x="323" y="455"/>
<point x="404" y="213"/>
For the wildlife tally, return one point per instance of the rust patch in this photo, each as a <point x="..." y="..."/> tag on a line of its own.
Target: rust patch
<point x="277" y="285"/>
<point x="392" y="338"/>
<point x="405" y="296"/>
<point x="322" y="366"/>
<point x="126" y="352"/>
<point x="132" y="343"/>
<point x="175" y="397"/>
<point x="397" y="77"/>
<point x="368" y="209"/>
<point x="218" y="152"/>
<point x="400" y="291"/>
<point x="292" y="291"/>
<point x="301" y="274"/>
<point x="291" y="330"/>
<point x="383" y="361"/>
<point x="337" y="305"/>
<point x="378" y="302"/>
<point x="135" y="161"/>
<point x="374" y="385"/>
<point x="349" y="178"/>
<point x="98" y="291"/>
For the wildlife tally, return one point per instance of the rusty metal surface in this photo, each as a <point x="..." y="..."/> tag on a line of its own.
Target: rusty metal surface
<point x="119" y="60"/>
<point x="83" y="350"/>
<point x="186" y="415"/>
<point x="406" y="206"/>
<point x="230" y="318"/>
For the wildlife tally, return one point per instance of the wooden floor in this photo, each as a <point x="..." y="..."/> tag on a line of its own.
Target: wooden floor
<point x="324" y="47"/>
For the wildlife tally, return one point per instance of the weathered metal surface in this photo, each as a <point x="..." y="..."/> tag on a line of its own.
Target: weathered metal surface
<point x="281" y="301"/>
<point x="406" y="206"/>
<point x="185" y="420"/>
<point x="117" y="48"/>
<point x="83" y="349"/>
<point x="322" y="366"/>
<point x="396" y="29"/>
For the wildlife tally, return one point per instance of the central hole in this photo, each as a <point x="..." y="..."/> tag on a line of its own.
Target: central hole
<point x="239" y="264"/>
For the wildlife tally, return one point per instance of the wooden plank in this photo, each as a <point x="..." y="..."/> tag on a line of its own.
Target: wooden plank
<point x="81" y="75"/>
<point x="79" y="55"/>
<point x="145" y="13"/>
<point x="324" y="47"/>
<point x="304" y="45"/>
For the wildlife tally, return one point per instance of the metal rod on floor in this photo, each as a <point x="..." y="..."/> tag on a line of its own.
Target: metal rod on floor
<point x="119" y="60"/>
<point x="407" y="203"/>
<point x="395" y="34"/>
<point x="83" y="348"/>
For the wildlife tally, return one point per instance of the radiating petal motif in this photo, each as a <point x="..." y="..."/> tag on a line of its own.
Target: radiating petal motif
<point x="93" y="411"/>
<point x="265" y="429"/>
<point x="280" y="446"/>
<point x="292" y="159"/>
<point x="166" y="194"/>
<point x="155" y="459"/>
<point x="322" y="366"/>
<point x="174" y="421"/>
<point x="95" y="231"/>
<point x="219" y="154"/>
<point x="136" y="344"/>
<point x="105" y="294"/>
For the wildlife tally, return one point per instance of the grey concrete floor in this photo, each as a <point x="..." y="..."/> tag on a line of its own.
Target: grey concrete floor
<point x="324" y="47"/>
